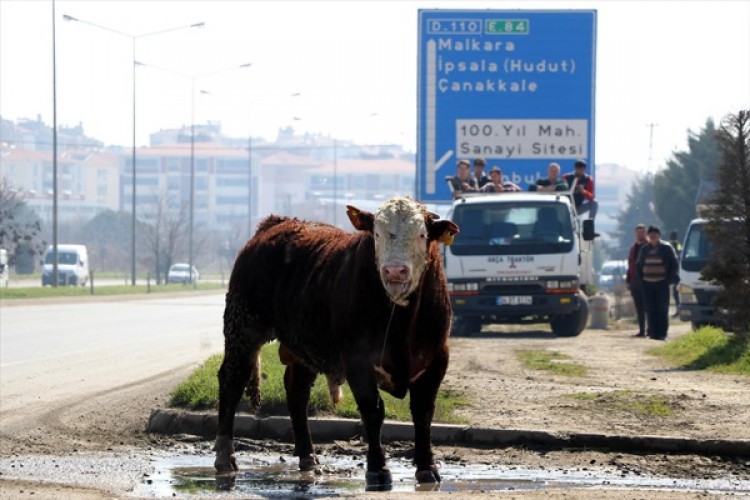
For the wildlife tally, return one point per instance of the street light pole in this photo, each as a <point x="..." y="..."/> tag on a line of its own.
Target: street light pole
<point x="55" y="268"/>
<point x="250" y="194"/>
<point x="133" y="38"/>
<point x="192" y="145"/>
<point x="335" y="181"/>
<point x="192" y="179"/>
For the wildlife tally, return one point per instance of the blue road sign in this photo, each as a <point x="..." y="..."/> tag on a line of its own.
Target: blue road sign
<point x="515" y="87"/>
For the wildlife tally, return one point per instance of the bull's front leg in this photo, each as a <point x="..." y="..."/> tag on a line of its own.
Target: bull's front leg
<point x="370" y="405"/>
<point x="422" y="394"/>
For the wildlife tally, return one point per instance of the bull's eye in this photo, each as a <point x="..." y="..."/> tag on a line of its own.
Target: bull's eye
<point x="377" y="234"/>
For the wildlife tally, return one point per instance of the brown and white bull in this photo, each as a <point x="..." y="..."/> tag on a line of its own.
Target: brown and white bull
<point x="369" y="307"/>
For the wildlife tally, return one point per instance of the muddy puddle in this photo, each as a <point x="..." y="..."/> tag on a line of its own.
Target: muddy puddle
<point x="268" y="478"/>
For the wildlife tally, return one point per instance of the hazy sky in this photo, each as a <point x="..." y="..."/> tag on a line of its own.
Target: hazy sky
<point x="354" y="64"/>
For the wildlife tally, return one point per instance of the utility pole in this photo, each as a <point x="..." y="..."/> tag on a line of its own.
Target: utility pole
<point x="651" y="143"/>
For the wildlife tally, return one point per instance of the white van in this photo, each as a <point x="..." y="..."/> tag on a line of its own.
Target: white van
<point x="72" y="265"/>
<point x="4" y="271"/>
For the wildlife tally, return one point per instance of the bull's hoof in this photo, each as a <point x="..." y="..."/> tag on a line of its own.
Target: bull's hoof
<point x="225" y="461"/>
<point x="378" y="478"/>
<point x="428" y="476"/>
<point x="226" y="465"/>
<point x="308" y="463"/>
<point x="225" y="482"/>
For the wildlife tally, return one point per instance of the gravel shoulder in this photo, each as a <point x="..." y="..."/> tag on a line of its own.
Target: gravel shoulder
<point x="505" y="394"/>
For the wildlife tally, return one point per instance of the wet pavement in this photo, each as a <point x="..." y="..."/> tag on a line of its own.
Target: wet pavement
<point x="189" y="473"/>
<point x="337" y="476"/>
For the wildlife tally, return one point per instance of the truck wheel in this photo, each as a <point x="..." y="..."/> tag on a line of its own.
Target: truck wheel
<point x="571" y="325"/>
<point x="465" y="327"/>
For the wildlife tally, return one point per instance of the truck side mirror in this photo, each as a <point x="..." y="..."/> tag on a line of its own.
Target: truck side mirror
<point x="588" y="230"/>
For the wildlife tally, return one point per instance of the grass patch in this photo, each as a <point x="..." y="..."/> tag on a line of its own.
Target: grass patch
<point x="551" y="361"/>
<point x="636" y="403"/>
<point x="708" y="348"/>
<point x="201" y="390"/>
<point x="37" y="292"/>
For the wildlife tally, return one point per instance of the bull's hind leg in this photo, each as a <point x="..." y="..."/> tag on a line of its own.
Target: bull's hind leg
<point x="298" y="381"/>
<point x="240" y="369"/>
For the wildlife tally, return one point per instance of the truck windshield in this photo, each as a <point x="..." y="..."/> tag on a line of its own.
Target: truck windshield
<point x="512" y="228"/>
<point x="62" y="258"/>
<point x="697" y="249"/>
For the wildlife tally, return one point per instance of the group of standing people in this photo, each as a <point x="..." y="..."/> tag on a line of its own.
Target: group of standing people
<point x="652" y="269"/>
<point x="583" y="195"/>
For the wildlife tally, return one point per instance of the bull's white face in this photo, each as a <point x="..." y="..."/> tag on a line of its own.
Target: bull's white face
<point x="400" y="233"/>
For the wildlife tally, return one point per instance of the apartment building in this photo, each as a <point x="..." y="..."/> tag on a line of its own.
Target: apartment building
<point x="87" y="181"/>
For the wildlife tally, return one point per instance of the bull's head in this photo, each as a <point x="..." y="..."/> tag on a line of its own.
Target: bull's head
<point x="403" y="230"/>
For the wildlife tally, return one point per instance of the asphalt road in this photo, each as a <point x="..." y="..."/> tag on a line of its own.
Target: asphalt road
<point x="98" y="345"/>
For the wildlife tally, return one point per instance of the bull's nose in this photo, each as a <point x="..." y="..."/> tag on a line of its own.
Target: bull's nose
<point x="395" y="272"/>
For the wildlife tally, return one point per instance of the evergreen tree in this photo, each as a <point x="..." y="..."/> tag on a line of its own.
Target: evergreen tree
<point x="729" y="222"/>
<point x="639" y="209"/>
<point x="676" y="186"/>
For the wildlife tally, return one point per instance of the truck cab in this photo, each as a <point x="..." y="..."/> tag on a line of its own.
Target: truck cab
<point x="696" y="295"/>
<point x="519" y="258"/>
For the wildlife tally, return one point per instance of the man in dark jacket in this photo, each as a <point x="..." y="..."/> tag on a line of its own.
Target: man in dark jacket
<point x="583" y="195"/>
<point x="480" y="177"/>
<point x="635" y="285"/>
<point x="553" y="182"/>
<point x="657" y="268"/>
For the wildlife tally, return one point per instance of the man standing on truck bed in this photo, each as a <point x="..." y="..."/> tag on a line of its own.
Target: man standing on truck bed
<point x="657" y="267"/>
<point x="635" y="285"/>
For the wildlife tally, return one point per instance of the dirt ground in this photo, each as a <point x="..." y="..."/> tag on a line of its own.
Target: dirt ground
<point x="502" y="394"/>
<point x="704" y="405"/>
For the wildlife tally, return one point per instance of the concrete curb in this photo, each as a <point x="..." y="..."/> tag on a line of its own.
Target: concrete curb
<point x="328" y="430"/>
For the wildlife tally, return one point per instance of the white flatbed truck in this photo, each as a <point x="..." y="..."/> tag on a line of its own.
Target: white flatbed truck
<point x="520" y="257"/>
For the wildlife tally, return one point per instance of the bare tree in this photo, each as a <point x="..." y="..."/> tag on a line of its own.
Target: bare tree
<point x="165" y="235"/>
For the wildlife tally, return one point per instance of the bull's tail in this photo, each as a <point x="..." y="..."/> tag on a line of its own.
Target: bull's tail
<point x="252" y="390"/>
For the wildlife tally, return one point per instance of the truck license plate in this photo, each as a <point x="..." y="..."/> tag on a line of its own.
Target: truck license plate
<point x="515" y="300"/>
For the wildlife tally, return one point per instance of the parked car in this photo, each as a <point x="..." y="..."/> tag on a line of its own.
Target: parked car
<point x="4" y="272"/>
<point x="613" y="273"/>
<point x="180" y="273"/>
<point x="72" y="265"/>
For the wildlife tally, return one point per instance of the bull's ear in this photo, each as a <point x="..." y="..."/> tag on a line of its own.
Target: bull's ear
<point x="442" y="231"/>
<point x="361" y="220"/>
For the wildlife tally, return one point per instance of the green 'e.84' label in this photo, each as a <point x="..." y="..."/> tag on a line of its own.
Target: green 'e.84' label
<point x="507" y="26"/>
